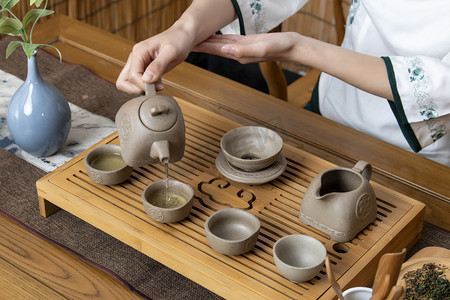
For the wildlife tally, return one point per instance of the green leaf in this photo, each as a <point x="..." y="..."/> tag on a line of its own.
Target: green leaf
<point x="34" y="14"/>
<point x="37" y="2"/>
<point x="57" y="50"/>
<point x="29" y="48"/>
<point x="8" y="4"/>
<point x="11" y="47"/>
<point x="10" y="26"/>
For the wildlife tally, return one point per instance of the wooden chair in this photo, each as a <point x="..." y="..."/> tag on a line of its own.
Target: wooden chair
<point x="299" y="92"/>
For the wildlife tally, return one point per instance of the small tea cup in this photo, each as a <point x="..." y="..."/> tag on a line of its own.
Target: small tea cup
<point x="177" y="208"/>
<point x="299" y="257"/>
<point x="104" y="165"/>
<point x="251" y="148"/>
<point x="232" y="231"/>
<point x="357" y="293"/>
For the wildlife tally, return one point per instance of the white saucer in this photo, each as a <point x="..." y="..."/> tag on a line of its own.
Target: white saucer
<point x="257" y="177"/>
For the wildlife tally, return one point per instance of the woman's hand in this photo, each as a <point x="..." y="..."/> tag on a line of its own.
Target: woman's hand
<point x="362" y="71"/>
<point x="252" y="48"/>
<point x="153" y="57"/>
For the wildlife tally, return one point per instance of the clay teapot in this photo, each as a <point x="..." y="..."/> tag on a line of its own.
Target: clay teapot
<point x="151" y="129"/>
<point x="340" y="202"/>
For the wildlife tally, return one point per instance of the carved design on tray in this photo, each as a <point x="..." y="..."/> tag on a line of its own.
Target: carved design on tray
<point x="222" y="192"/>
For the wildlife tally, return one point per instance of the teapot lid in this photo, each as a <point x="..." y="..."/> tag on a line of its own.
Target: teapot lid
<point x="158" y="113"/>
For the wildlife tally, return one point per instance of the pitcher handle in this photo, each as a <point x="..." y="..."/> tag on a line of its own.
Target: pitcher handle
<point x="364" y="168"/>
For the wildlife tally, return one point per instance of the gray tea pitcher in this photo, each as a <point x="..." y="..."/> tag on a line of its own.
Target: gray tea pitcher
<point x="340" y="202"/>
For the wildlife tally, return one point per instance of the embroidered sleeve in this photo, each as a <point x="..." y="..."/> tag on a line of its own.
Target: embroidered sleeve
<point x="421" y="89"/>
<point x="260" y="16"/>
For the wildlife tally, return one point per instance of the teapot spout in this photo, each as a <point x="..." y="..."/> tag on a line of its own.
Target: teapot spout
<point x="160" y="150"/>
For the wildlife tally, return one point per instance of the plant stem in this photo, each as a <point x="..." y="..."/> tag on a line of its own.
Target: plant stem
<point x="35" y="21"/>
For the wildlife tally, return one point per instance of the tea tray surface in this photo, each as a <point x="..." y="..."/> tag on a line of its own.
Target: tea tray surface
<point x="182" y="246"/>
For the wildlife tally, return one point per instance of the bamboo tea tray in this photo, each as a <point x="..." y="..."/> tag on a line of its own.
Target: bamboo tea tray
<point x="182" y="246"/>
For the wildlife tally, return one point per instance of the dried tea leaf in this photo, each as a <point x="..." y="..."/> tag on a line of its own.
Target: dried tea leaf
<point x="428" y="282"/>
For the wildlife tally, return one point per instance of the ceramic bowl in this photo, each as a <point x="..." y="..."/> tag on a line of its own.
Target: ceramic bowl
<point x="232" y="231"/>
<point x="251" y="148"/>
<point x="299" y="257"/>
<point x="162" y="210"/>
<point x="357" y="293"/>
<point x="104" y="165"/>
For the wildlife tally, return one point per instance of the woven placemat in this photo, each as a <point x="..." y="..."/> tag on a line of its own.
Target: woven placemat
<point x="18" y="195"/>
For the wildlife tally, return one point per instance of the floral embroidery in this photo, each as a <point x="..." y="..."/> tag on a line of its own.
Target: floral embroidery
<point x="354" y="7"/>
<point x="259" y="11"/>
<point x="427" y="108"/>
<point x="256" y="6"/>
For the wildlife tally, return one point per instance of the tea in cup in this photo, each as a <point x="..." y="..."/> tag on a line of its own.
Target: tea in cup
<point x="168" y="201"/>
<point x="104" y="165"/>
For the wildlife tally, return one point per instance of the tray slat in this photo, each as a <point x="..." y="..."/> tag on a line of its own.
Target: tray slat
<point x="118" y="210"/>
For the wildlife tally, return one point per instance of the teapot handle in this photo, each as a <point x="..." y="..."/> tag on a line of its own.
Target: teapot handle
<point x="364" y="168"/>
<point x="150" y="89"/>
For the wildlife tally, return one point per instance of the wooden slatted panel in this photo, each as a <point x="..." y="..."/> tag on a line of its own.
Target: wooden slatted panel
<point x="276" y="204"/>
<point x="135" y="20"/>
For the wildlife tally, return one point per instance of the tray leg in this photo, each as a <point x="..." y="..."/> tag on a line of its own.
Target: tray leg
<point x="46" y="208"/>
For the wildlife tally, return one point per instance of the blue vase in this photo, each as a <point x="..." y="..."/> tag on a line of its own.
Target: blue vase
<point x="38" y="115"/>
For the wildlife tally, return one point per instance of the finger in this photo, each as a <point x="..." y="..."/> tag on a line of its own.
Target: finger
<point x="122" y="82"/>
<point x="140" y="58"/>
<point x="167" y="58"/>
<point x="223" y="38"/>
<point x="209" y="47"/>
<point x="129" y="88"/>
<point x="242" y="53"/>
<point x="123" y="75"/>
<point x="159" y="85"/>
<point x="226" y="38"/>
<point x="253" y="50"/>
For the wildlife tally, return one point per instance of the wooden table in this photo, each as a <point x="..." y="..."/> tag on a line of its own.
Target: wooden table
<point x="405" y="172"/>
<point x="32" y="267"/>
<point x="398" y="174"/>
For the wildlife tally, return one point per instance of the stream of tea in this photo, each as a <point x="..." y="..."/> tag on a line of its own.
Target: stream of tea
<point x="169" y="198"/>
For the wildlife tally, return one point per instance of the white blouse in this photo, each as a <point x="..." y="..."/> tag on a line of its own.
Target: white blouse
<point x="412" y="38"/>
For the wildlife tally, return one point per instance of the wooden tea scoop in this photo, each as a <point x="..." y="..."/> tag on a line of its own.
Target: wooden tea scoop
<point x="396" y="293"/>
<point x="332" y="280"/>
<point x="383" y="289"/>
<point x="390" y="264"/>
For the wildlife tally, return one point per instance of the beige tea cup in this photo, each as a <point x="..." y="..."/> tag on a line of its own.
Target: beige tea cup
<point x="357" y="293"/>
<point x="104" y="165"/>
<point x="251" y="148"/>
<point x="299" y="257"/>
<point x="174" y="209"/>
<point x="232" y="231"/>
